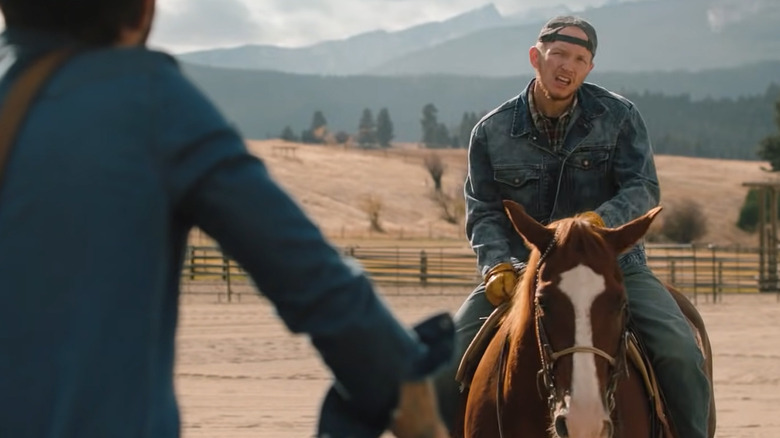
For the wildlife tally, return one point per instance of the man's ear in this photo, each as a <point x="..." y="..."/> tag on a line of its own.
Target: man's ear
<point x="533" y="57"/>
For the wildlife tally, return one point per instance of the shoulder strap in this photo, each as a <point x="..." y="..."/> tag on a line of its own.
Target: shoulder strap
<point x="21" y="95"/>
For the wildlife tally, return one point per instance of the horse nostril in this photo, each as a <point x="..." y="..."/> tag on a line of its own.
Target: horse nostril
<point x="609" y="429"/>
<point x="560" y="426"/>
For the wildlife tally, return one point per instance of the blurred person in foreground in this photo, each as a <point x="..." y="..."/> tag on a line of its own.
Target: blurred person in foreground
<point x="563" y="148"/>
<point x="118" y="158"/>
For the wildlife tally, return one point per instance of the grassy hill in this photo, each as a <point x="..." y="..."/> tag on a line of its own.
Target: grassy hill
<point x="332" y="182"/>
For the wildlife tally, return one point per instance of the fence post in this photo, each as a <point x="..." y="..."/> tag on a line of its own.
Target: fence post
<point x="719" y="297"/>
<point x="695" y="277"/>
<point x="397" y="268"/>
<point x="423" y="268"/>
<point x="672" y="273"/>
<point x="739" y="271"/>
<point x="227" y="279"/>
<point x="714" y="274"/>
<point x="192" y="263"/>
<point x="442" y="271"/>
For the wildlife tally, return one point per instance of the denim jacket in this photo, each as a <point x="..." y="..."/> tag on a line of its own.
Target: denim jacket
<point x="605" y="164"/>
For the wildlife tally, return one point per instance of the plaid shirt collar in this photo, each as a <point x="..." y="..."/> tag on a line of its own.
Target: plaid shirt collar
<point x="553" y="129"/>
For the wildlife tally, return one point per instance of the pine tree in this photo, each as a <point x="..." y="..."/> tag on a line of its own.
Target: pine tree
<point x="384" y="128"/>
<point x="769" y="150"/>
<point x="430" y="126"/>
<point x="318" y="120"/>
<point x="366" y="135"/>
<point x="288" y="134"/>
<point x="319" y="128"/>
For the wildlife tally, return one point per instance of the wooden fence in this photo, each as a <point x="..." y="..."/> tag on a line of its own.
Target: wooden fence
<point x="707" y="271"/>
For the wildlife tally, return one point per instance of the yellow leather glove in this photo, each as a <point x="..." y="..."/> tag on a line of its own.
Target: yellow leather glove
<point x="500" y="282"/>
<point x="592" y="218"/>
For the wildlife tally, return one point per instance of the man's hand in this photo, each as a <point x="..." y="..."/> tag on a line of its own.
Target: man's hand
<point x="418" y="414"/>
<point x="500" y="282"/>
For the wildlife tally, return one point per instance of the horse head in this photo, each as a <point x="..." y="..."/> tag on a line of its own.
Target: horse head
<point x="580" y="313"/>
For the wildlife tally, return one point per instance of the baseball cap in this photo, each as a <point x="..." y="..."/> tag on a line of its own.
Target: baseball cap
<point x="550" y="32"/>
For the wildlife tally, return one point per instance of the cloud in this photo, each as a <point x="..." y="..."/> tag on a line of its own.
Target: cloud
<point x="723" y="13"/>
<point x="195" y="24"/>
<point x="309" y="21"/>
<point x="204" y="22"/>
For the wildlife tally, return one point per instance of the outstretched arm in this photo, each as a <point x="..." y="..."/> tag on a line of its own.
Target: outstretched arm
<point x="216" y="184"/>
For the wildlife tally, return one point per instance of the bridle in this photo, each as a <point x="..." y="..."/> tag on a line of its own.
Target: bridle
<point x="546" y="375"/>
<point x="548" y="356"/>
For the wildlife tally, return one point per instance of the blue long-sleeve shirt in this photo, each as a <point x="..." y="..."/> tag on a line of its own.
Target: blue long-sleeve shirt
<point x="118" y="159"/>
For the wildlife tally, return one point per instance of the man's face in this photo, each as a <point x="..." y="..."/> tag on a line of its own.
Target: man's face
<point x="562" y="67"/>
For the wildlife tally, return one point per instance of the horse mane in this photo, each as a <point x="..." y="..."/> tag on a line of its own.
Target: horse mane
<point x="521" y="313"/>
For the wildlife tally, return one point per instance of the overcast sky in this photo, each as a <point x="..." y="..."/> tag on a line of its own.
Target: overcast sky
<point x="184" y="25"/>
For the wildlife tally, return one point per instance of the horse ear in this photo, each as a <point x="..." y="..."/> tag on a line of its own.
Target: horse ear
<point x="532" y="231"/>
<point x="625" y="236"/>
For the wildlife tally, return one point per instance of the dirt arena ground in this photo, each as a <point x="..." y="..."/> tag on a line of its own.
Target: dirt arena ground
<point x="241" y="374"/>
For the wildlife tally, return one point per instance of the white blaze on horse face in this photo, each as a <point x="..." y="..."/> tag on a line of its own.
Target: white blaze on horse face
<point x="587" y="413"/>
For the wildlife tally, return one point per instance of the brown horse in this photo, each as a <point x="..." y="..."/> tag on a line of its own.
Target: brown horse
<point x="557" y="367"/>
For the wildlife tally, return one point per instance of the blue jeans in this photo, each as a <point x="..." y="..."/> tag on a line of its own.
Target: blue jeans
<point x="662" y="327"/>
<point x="673" y="350"/>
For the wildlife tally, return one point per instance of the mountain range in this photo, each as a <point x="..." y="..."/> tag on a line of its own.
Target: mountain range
<point x="262" y="103"/>
<point x="641" y="36"/>
<point x="695" y="52"/>
<point x="356" y="55"/>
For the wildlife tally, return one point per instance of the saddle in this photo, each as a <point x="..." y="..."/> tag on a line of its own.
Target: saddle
<point x="636" y="355"/>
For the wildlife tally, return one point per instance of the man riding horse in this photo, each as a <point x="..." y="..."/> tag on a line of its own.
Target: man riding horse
<point x="561" y="148"/>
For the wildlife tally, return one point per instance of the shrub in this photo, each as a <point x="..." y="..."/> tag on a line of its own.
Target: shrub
<point x="684" y="222"/>
<point x="372" y="206"/>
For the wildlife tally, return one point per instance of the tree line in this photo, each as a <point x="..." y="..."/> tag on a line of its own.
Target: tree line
<point x="378" y="132"/>
<point x="370" y="132"/>
<point x="728" y="128"/>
